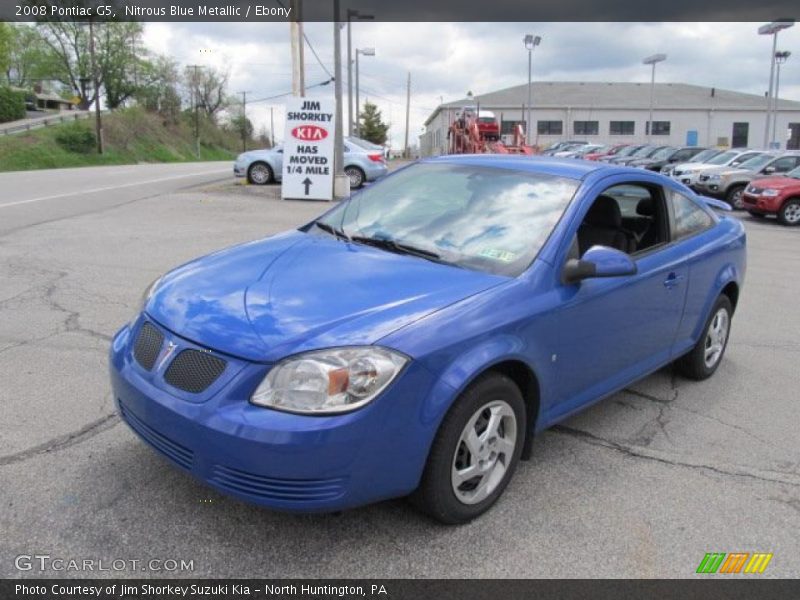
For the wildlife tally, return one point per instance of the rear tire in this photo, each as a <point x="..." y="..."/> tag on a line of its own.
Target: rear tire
<point x="789" y="214"/>
<point x="356" y="176"/>
<point x="734" y="196"/>
<point x="702" y="361"/>
<point x="260" y="173"/>
<point x="475" y="451"/>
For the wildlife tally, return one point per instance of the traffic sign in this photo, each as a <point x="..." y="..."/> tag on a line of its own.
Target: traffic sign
<point x="308" y="149"/>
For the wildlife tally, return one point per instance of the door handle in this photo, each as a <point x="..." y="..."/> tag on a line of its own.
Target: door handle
<point x="672" y="280"/>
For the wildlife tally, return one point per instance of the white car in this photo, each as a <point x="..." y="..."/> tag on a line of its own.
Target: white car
<point x="688" y="172"/>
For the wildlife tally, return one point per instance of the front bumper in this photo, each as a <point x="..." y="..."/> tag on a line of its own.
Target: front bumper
<point x="271" y="458"/>
<point x="761" y="204"/>
<point x="239" y="169"/>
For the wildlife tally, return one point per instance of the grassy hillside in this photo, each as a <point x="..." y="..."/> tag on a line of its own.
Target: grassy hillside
<point x="131" y="136"/>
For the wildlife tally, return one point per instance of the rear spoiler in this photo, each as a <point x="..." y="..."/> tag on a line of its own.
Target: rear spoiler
<point x="714" y="203"/>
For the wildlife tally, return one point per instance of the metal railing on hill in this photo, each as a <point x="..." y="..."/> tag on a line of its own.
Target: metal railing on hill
<point x="45" y="121"/>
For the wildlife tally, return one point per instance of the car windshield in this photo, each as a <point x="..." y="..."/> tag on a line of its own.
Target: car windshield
<point x="704" y="156"/>
<point x="480" y="218"/>
<point x="664" y="153"/>
<point x="723" y="158"/>
<point x="756" y="162"/>
<point x="628" y="150"/>
<point x="644" y="152"/>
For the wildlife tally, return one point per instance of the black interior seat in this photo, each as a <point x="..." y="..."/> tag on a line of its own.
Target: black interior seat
<point x="602" y="226"/>
<point x="649" y="236"/>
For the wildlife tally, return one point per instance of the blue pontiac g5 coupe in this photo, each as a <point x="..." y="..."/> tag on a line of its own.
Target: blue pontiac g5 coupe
<point x="414" y="339"/>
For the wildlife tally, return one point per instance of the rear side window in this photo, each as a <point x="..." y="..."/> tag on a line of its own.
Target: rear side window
<point x="689" y="217"/>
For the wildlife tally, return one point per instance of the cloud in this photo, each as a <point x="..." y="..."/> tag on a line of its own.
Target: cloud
<point x="448" y="59"/>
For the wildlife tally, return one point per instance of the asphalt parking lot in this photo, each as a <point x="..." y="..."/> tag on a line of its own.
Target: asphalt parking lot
<point x="641" y="485"/>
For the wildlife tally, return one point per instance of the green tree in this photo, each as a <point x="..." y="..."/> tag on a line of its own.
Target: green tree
<point x="158" y="88"/>
<point x="118" y="58"/>
<point x="31" y="60"/>
<point x="6" y="45"/>
<point x="371" y="126"/>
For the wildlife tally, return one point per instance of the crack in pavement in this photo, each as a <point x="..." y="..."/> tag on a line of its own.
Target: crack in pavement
<point x="65" y="441"/>
<point x="770" y="476"/>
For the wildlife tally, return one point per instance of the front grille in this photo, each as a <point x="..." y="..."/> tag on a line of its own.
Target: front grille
<point x="148" y="345"/>
<point x="193" y="371"/>
<point x="754" y="190"/>
<point x="178" y="454"/>
<point x="703" y="177"/>
<point x="251" y="484"/>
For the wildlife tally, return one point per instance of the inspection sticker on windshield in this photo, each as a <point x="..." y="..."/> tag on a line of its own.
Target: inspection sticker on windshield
<point x="495" y="254"/>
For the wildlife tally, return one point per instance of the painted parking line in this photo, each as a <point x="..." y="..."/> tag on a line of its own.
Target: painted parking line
<point x="111" y="187"/>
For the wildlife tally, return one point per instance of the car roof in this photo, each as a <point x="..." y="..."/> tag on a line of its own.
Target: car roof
<point x="548" y="165"/>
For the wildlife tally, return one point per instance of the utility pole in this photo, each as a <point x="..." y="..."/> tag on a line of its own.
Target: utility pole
<point x="271" y="127"/>
<point x="298" y="65"/>
<point x="96" y="83"/>
<point x="408" y="110"/>
<point x="244" y="121"/>
<point x="195" y="102"/>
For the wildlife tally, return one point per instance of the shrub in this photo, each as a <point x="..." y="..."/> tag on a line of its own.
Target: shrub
<point x="76" y="137"/>
<point x="12" y="105"/>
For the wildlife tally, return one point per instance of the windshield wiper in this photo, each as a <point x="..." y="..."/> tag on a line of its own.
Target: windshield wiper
<point x="399" y="247"/>
<point x="337" y="233"/>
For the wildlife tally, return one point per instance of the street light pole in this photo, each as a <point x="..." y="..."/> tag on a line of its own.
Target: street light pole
<point x="530" y="41"/>
<point x="351" y="13"/>
<point x="780" y="58"/>
<point x="652" y="60"/>
<point x="365" y="52"/>
<point x="772" y="29"/>
<point x="341" y="183"/>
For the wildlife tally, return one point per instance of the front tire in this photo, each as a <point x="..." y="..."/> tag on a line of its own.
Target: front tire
<point x="734" y="196"/>
<point x="475" y="451"/>
<point x="702" y="361"/>
<point x="260" y="173"/>
<point x="789" y="214"/>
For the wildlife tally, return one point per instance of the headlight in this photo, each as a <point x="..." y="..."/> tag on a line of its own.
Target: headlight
<point x="666" y="170"/>
<point x="715" y="178"/>
<point x="329" y="381"/>
<point x="770" y="192"/>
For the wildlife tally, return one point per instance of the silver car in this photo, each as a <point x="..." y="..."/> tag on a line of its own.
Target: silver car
<point x="688" y="172"/>
<point x="363" y="161"/>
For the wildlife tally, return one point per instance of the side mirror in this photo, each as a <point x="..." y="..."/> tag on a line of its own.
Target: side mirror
<point x="598" y="261"/>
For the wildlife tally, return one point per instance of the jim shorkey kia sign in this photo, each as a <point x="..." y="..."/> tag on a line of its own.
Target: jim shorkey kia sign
<point x="308" y="149"/>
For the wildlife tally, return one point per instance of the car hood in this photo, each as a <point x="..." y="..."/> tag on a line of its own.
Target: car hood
<point x="777" y="183"/>
<point x="297" y="292"/>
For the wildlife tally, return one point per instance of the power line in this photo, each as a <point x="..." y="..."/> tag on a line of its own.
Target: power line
<point x="310" y="47"/>
<point x="289" y="93"/>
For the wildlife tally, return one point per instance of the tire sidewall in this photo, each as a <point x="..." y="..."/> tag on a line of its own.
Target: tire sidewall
<point x="270" y="176"/>
<point x="445" y="506"/>
<point x="782" y="212"/>
<point x="698" y="354"/>
<point x="361" y="175"/>
<point x="729" y="196"/>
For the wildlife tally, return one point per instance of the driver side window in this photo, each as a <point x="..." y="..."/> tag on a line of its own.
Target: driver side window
<point x="630" y="217"/>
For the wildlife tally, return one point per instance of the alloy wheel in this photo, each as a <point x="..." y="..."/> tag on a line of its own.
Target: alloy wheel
<point x="716" y="337"/>
<point x="484" y="452"/>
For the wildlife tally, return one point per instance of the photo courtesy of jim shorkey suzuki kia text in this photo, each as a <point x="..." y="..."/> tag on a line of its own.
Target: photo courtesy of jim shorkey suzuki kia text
<point x="175" y="590"/>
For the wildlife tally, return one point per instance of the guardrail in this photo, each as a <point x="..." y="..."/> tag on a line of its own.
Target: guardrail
<point x="27" y="125"/>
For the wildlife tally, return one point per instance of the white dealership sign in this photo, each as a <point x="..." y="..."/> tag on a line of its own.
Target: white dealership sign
<point x="308" y="149"/>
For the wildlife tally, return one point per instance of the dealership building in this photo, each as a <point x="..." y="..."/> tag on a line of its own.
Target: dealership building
<point x="600" y="112"/>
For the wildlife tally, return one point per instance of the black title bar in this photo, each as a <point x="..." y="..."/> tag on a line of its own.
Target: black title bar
<point x="404" y="10"/>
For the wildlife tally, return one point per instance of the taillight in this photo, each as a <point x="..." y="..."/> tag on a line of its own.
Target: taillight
<point x="376" y="157"/>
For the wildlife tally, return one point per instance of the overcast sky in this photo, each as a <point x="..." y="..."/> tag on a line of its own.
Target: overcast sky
<point x="447" y="59"/>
